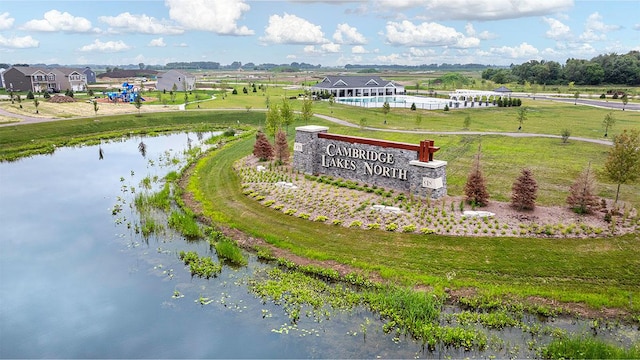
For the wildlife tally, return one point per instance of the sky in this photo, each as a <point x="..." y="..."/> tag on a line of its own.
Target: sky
<point x="328" y="33"/>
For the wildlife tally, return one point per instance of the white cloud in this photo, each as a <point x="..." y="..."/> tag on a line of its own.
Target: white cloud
<point x="5" y="21"/>
<point x="159" y="42"/>
<point x="218" y="16"/>
<point x="636" y="26"/>
<point x="23" y="42"/>
<point x="595" y="29"/>
<point x="471" y="31"/>
<point x="106" y="47"/>
<point x="415" y="52"/>
<point x="143" y="24"/>
<point x="481" y="9"/>
<point x="290" y="29"/>
<point x="557" y="30"/>
<point x="346" y="34"/>
<point x="389" y="59"/>
<point x="359" y="49"/>
<point x="522" y="51"/>
<point x="54" y="20"/>
<point x="330" y="48"/>
<point x="427" y="34"/>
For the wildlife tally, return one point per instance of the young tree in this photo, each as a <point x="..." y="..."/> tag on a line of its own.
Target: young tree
<point x="307" y="112"/>
<point x="475" y="189"/>
<point x="386" y="108"/>
<point x="581" y="197"/>
<point x="95" y="107"/>
<point x="281" y="148"/>
<point x="623" y="164"/>
<point x="273" y="122"/>
<point x="262" y="149"/>
<point x="524" y="191"/>
<point x="467" y="122"/>
<point x="332" y="101"/>
<point x="36" y="103"/>
<point x="286" y="114"/>
<point x="625" y="101"/>
<point x="418" y="120"/>
<point x="138" y="103"/>
<point x="608" y="122"/>
<point x="565" y="134"/>
<point x="522" y="116"/>
<point x="576" y="96"/>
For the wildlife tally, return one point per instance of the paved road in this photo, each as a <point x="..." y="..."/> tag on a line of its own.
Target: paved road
<point x="607" y="104"/>
<point x="23" y="119"/>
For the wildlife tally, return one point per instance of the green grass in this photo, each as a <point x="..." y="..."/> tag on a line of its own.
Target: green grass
<point x="186" y="224"/>
<point x="597" y="272"/>
<point x="584" y="347"/>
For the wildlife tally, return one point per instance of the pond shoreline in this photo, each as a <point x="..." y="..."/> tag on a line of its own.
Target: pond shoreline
<point x="453" y="296"/>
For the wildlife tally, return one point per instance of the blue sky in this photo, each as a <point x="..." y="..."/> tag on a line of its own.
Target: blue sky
<point x="330" y="33"/>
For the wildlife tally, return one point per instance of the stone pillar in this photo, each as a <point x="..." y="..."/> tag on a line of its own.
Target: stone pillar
<point x="428" y="178"/>
<point x="305" y="148"/>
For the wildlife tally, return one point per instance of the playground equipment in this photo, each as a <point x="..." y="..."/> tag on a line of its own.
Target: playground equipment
<point x="127" y="94"/>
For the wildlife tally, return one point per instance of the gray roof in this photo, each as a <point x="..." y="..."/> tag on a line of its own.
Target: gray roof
<point x="503" y="89"/>
<point x="340" y="82"/>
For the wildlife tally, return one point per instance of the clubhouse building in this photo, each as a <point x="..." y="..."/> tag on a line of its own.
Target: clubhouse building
<point x="356" y="86"/>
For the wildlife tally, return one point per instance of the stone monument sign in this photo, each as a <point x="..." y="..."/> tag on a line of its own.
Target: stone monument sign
<point x="406" y="167"/>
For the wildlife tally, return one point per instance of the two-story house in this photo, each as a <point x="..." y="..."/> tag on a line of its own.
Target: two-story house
<point x="36" y="79"/>
<point x="181" y="80"/>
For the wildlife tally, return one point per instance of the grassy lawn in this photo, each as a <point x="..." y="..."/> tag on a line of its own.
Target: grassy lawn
<point x="598" y="272"/>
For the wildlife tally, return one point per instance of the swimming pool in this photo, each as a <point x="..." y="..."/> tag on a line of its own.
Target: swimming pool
<point x="401" y="101"/>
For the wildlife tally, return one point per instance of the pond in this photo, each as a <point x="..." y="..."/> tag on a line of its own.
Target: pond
<point x="77" y="281"/>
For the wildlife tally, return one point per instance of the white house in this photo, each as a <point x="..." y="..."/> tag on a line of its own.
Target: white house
<point x="181" y="80"/>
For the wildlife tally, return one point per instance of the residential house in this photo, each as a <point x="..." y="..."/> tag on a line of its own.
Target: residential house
<point x="357" y="86"/>
<point x="181" y="80"/>
<point x="90" y="74"/>
<point x="37" y="79"/>
<point x="2" y="70"/>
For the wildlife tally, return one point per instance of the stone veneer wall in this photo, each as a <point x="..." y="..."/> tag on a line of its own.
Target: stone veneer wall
<point x="406" y="173"/>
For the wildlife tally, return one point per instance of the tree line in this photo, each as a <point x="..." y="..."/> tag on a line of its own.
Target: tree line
<point x="603" y="69"/>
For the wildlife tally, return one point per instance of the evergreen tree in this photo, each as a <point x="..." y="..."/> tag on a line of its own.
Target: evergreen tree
<point x="581" y="197"/>
<point x="281" y="148"/>
<point x="524" y="191"/>
<point x="475" y="189"/>
<point x="262" y="149"/>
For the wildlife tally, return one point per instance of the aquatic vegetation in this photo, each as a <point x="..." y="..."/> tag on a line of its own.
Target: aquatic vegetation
<point x="186" y="224"/>
<point x="227" y="249"/>
<point x="203" y="267"/>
